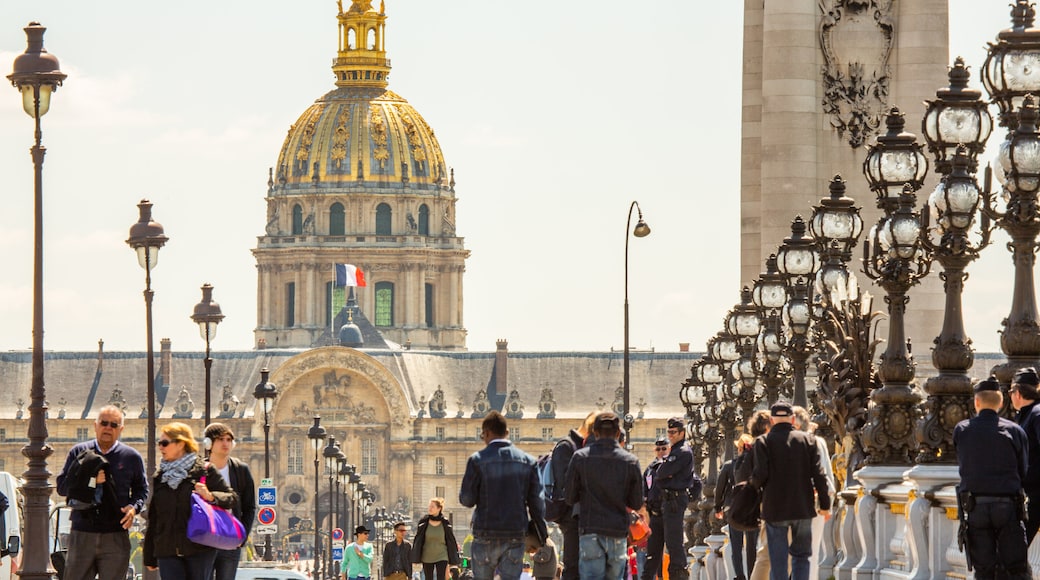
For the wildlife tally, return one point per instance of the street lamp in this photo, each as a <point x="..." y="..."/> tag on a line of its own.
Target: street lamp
<point x="207" y="315"/>
<point x="640" y="231"/>
<point x="896" y="159"/>
<point x="1009" y="70"/>
<point x="799" y="259"/>
<point x="329" y="453"/>
<point x="36" y="75"/>
<point x="146" y="237"/>
<point x="958" y="116"/>
<point x="316" y="434"/>
<point x="265" y="391"/>
<point x="769" y="296"/>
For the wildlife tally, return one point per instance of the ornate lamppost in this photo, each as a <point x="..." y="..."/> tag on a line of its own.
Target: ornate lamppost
<point x="1008" y="72"/>
<point x="146" y="237"/>
<point x="743" y="322"/>
<point x="640" y="231"/>
<point x="894" y="258"/>
<point x="36" y="74"/>
<point x="956" y="127"/>
<point x="329" y="453"/>
<point x="265" y="392"/>
<point x="725" y="348"/>
<point x="207" y="315"/>
<point x="769" y="296"/>
<point x="317" y="434"/>
<point x="798" y="259"/>
<point x="1019" y="172"/>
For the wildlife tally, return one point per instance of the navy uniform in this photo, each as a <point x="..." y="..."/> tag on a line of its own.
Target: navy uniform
<point x="992" y="456"/>
<point x="673" y="477"/>
<point x="1024" y="399"/>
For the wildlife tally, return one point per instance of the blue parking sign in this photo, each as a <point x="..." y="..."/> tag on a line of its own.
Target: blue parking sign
<point x="337" y="554"/>
<point x="267" y="496"/>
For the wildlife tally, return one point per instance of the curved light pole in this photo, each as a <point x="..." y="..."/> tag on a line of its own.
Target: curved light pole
<point x="640" y="231"/>
<point x="36" y="75"/>
<point x="207" y="315"/>
<point x="146" y="237"/>
<point x="266" y="391"/>
<point x="316" y="434"/>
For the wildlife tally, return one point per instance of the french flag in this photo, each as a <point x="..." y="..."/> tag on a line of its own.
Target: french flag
<point x="349" y="275"/>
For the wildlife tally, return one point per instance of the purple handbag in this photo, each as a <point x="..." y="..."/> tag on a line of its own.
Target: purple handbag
<point x="214" y="526"/>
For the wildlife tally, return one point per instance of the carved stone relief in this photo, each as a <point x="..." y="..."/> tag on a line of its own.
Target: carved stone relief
<point x="856" y="40"/>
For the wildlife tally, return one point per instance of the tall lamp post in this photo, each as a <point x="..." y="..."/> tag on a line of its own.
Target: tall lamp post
<point x="207" y="315"/>
<point x="329" y="453"/>
<point x="798" y="259"/>
<point x="265" y="392"/>
<point x="146" y="237"/>
<point x="36" y="75"/>
<point x="316" y="434"/>
<point x="640" y="231"/>
<point x="769" y="296"/>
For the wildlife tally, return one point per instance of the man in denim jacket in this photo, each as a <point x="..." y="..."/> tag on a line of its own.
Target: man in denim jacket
<point x="502" y="483"/>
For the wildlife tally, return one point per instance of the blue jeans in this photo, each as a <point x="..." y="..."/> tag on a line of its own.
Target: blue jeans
<point x="504" y="554"/>
<point x="226" y="563"/>
<point x="602" y="556"/>
<point x="800" y="548"/>
<point x="739" y="541"/>
<point x="196" y="567"/>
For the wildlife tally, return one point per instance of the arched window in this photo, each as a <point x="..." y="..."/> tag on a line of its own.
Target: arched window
<point x="371" y="39"/>
<point x="297" y="220"/>
<point x="383" y="215"/>
<point x="337" y="219"/>
<point x="384" y="303"/>
<point x="424" y="220"/>
<point x="351" y="39"/>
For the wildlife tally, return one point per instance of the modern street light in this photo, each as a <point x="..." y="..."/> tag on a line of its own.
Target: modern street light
<point x="317" y="434"/>
<point x="36" y="74"/>
<point x="146" y="237"/>
<point x="265" y="392"/>
<point x="207" y="315"/>
<point x="640" y="231"/>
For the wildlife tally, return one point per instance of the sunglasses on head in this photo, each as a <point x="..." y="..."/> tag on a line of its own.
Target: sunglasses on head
<point x="112" y="424"/>
<point x="164" y="442"/>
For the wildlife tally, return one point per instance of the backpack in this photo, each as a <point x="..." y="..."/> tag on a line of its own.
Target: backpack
<point x="744" y="512"/>
<point x="555" y="507"/>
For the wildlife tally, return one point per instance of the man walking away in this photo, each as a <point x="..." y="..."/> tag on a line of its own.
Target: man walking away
<point x="502" y="483"/>
<point x="788" y="469"/>
<point x="991" y="454"/>
<point x="607" y="481"/>
<point x="105" y="483"/>
<point x="240" y="478"/>
<point x="1024" y="397"/>
<point x="568" y="522"/>
<point x="673" y="478"/>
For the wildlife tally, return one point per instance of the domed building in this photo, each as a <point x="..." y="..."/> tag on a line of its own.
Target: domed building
<point x="361" y="180"/>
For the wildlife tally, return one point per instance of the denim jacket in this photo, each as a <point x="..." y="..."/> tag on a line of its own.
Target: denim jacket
<point x="501" y="481"/>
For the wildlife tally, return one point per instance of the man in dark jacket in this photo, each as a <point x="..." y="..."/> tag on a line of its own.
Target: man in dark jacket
<point x="787" y="468"/>
<point x="671" y="482"/>
<point x="991" y="456"/>
<point x="240" y="478"/>
<point x="1024" y="397"/>
<point x="606" y="480"/>
<point x="397" y="554"/>
<point x="561" y="458"/>
<point x="98" y="542"/>
<point x="502" y="483"/>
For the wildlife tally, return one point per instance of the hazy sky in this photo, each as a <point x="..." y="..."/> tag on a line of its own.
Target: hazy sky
<point x="555" y="117"/>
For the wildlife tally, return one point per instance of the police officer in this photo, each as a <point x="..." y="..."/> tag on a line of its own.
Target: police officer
<point x="1023" y="394"/>
<point x="673" y="477"/>
<point x="992" y="456"/>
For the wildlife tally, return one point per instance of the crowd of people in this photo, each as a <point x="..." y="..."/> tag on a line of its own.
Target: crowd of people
<point x="601" y="499"/>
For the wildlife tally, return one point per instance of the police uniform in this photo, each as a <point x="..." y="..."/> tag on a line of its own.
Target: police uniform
<point x="1028" y="417"/>
<point x="674" y="475"/>
<point x="992" y="457"/>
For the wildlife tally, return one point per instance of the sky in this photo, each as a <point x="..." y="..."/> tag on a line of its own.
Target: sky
<point x="555" y="118"/>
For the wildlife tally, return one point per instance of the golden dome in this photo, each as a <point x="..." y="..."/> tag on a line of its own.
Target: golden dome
<point x="361" y="132"/>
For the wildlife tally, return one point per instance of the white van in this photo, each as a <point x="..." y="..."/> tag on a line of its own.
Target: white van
<point x="11" y="535"/>
<point x="250" y="573"/>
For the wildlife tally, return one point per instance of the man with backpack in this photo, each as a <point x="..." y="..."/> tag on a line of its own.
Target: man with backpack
<point x="559" y="511"/>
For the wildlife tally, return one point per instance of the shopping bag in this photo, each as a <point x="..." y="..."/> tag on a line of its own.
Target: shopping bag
<point x="214" y="526"/>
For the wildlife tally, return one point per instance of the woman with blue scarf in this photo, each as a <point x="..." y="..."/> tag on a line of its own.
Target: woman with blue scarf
<point x="181" y="473"/>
